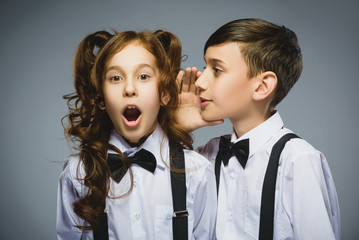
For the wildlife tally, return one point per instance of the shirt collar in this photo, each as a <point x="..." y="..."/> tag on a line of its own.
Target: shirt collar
<point x="156" y="143"/>
<point x="261" y="134"/>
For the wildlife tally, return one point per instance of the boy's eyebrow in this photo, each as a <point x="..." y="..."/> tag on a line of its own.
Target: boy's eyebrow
<point x="215" y="61"/>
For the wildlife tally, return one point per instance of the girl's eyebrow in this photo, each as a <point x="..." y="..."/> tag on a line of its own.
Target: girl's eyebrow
<point x="138" y="67"/>
<point x="114" y="67"/>
<point x="144" y="65"/>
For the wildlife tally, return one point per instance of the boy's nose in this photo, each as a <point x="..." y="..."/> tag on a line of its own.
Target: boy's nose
<point x="130" y="89"/>
<point x="201" y="82"/>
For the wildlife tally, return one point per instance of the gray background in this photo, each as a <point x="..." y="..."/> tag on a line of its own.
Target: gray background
<point x="37" y="45"/>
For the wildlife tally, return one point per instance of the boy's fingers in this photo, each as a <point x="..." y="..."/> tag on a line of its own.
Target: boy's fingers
<point x="179" y="79"/>
<point x="198" y="74"/>
<point x="204" y="123"/>
<point x="216" y="122"/>
<point x="186" y="80"/>
<point x="192" y="86"/>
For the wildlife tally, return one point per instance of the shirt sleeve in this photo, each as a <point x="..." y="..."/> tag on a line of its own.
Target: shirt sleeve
<point x="209" y="150"/>
<point x="67" y="194"/>
<point x="309" y="195"/>
<point x="205" y="206"/>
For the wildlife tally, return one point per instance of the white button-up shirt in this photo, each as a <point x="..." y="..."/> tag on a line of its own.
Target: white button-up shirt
<point x="147" y="212"/>
<point x="306" y="204"/>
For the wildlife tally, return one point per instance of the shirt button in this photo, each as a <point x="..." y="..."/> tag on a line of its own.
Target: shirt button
<point x="233" y="174"/>
<point x="230" y="216"/>
<point x="137" y="216"/>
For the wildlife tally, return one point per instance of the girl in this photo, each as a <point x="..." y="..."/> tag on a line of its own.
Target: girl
<point x="123" y="109"/>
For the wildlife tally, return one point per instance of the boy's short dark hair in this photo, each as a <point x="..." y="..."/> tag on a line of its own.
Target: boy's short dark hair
<point x="264" y="47"/>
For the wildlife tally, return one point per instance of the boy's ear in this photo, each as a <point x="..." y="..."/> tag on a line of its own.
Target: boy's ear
<point x="165" y="98"/>
<point x="266" y="85"/>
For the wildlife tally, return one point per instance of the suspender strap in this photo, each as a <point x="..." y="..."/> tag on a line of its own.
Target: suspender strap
<point x="268" y="191"/>
<point x="217" y="171"/>
<point x="101" y="233"/>
<point x="178" y="185"/>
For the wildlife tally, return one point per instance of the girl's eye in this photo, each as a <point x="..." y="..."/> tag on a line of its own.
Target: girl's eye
<point x="115" y="78"/>
<point x="143" y="77"/>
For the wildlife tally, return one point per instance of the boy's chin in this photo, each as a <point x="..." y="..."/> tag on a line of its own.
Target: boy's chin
<point x="210" y="116"/>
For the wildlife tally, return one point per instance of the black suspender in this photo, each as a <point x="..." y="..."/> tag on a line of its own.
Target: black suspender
<point x="101" y="233"/>
<point x="268" y="190"/>
<point x="178" y="185"/>
<point x="217" y="171"/>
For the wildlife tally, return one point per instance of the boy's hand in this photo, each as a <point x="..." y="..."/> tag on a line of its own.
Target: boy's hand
<point x="189" y="112"/>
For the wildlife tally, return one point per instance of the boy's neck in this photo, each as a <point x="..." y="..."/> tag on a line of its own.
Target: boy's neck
<point x="243" y="125"/>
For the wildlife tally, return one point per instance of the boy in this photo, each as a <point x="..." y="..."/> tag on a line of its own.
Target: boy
<point x="251" y="66"/>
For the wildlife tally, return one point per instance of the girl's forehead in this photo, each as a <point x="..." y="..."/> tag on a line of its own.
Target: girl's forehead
<point x="136" y="48"/>
<point x="131" y="44"/>
<point x="132" y="56"/>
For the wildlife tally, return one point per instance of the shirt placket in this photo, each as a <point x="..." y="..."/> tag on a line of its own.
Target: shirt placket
<point x="137" y="228"/>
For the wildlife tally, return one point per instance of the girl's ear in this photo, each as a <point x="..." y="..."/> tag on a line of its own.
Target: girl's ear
<point x="101" y="106"/>
<point x="266" y="85"/>
<point x="165" y="98"/>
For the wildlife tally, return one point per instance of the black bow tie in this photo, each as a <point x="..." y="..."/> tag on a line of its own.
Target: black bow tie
<point x="227" y="149"/>
<point x="142" y="158"/>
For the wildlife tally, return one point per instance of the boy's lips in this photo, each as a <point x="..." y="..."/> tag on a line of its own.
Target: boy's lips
<point x="204" y="102"/>
<point x="131" y="115"/>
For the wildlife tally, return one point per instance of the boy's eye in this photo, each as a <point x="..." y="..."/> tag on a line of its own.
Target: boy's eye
<point x="143" y="77"/>
<point x="217" y="70"/>
<point x="115" y="78"/>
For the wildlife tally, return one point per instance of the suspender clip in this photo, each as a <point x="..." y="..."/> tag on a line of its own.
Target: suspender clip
<point x="183" y="213"/>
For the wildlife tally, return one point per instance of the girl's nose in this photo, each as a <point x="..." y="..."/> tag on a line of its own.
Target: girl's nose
<point x="130" y="89"/>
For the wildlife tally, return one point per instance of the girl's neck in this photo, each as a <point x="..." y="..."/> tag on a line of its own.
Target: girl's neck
<point x="139" y="142"/>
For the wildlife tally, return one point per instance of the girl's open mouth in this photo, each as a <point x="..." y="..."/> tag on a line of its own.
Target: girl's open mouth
<point x="131" y="115"/>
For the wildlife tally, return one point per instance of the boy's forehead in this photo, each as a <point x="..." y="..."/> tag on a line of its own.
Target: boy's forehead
<point x="223" y="51"/>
